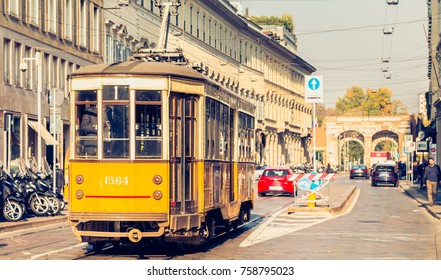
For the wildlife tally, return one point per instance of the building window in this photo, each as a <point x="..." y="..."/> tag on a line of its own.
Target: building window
<point x="226" y="43"/>
<point x="191" y="20"/>
<point x="235" y="47"/>
<point x="96" y="30"/>
<point x="34" y="9"/>
<point x="240" y="51"/>
<point x="197" y="24"/>
<point x="209" y="31"/>
<point x="54" y="71"/>
<point x="14" y="7"/>
<point x="26" y="74"/>
<point x="203" y="28"/>
<point x="62" y="75"/>
<point x="68" y="19"/>
<point x="152" y="5"/>
<point x="117" y="50"/>
<point x="13" y="137"/>
<point x="83" y="23"/>
<point x="246" y="54"/>
<point x="109" y="49"/>
<point x="6" y="61"/>
<point x="52" y="16"/>
<point x="17" y="61"/>
<point x="220" y="38"/>
<point x="215" y="35"/>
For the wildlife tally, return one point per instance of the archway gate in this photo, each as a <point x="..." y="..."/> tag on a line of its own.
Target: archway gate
<point x="367" y="127"/>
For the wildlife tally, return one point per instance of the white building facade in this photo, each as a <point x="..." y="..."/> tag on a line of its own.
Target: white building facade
<point x="212" y="34"/>
<point x="236" y="53"/>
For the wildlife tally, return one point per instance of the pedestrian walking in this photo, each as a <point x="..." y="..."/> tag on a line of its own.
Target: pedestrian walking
<point x="431" y="178"/>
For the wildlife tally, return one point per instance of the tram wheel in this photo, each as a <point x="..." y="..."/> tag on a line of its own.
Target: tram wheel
<point x="210" y="227"/>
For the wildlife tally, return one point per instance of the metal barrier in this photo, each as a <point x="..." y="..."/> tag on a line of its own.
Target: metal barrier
<point x="312" y="184"/>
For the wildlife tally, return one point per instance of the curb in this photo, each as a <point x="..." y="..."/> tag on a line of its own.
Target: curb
<point x="32" y="224"/>
<point x="339" y="205"/>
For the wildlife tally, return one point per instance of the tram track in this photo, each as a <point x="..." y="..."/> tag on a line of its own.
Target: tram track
<point x="170" y="251"/>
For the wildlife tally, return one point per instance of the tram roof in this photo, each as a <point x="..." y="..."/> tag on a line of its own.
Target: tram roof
<point x="138" y="68"/>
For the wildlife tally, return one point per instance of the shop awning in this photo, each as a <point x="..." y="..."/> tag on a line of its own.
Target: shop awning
<point x="47" y="137"/>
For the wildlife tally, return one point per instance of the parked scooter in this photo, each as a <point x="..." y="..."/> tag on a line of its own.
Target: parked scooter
<point x="11" y="202"/>
<point x="47" y="177"/>
<point x="54" y="202"/>
<point x="34" y="197"/>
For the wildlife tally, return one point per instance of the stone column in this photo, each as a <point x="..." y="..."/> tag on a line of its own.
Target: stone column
<point x="368" y="149"/>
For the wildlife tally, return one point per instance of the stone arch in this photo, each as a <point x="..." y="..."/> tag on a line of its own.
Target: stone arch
<point x="381" y="139"/>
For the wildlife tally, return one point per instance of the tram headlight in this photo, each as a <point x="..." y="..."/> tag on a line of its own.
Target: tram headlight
<point x="79" y="194"/>
<point x="157" y="195"/>
<point x="157" y="179"/>
<point x="79" y="179"/>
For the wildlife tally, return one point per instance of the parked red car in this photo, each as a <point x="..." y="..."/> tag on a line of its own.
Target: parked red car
<point x="274" y="181"/>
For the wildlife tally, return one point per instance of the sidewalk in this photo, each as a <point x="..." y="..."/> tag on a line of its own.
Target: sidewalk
<point x="30" y="221"/>
<point x="420" y="195"/>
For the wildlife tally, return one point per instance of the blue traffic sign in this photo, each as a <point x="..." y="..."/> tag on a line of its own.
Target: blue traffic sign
<point x="304" y="184"/>
<point x="314" y="84"/>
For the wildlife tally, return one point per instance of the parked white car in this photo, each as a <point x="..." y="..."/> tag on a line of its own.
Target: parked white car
<point x="258" y="171"/>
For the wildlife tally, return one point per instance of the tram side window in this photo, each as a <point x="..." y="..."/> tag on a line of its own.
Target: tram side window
<point x="116" y="121"/>
<point x="148" y="127"/>
<point x="86" y="124"/>
<point x="217" y="133"/>
<point x="246" y="137"/>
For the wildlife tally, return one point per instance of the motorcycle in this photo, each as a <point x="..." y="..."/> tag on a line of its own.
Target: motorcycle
<point x="11" y="202"/>
<point x="53" y="197"/>
<point x="35" y="200"/>
<point x="38" y="195"/>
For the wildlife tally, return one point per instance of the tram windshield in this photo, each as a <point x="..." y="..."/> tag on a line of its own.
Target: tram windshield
<point x="112" y="137"/>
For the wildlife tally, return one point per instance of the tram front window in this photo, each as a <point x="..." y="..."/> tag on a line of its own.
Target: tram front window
<point x="148" y="127"/>
<point x="115" y="121"/>
<point x="86" y="124"/>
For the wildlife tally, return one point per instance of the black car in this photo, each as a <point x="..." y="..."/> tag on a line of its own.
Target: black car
<point x="359" y="170"/>
<point x="385" y="174"/>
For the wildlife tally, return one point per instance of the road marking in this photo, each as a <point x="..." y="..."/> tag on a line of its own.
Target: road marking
<point x="59" y="250"/>
<point x="282" y="223"/>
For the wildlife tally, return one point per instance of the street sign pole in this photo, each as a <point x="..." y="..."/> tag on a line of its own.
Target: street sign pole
<point x="314" y="94"/>
<point x="314" y="138"/>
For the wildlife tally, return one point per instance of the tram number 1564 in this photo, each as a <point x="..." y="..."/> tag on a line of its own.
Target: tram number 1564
<point x="116" y="180"/>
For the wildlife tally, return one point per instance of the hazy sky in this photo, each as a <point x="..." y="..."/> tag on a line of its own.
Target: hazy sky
<point x="344" y="40"/>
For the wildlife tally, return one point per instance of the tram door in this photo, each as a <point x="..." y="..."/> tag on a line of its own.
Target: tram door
<point x="183" y="112"/>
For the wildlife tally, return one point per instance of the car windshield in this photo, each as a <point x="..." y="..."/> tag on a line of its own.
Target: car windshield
<point x="384" y="168"/>
<point x="359" y="166"/>
<point x="260" y="167"/>
<point x="275" y="172"/>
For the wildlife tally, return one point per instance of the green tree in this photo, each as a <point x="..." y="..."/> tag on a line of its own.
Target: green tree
<point x="377" y="102"/>
<point x="351" y="101"/>
<point x="285" y="20"/>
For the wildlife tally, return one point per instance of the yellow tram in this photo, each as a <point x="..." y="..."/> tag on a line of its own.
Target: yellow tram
<point x="158" y="152"/>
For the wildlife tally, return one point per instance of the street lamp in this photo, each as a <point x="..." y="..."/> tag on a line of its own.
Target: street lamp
<point x="23" y="68"/>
